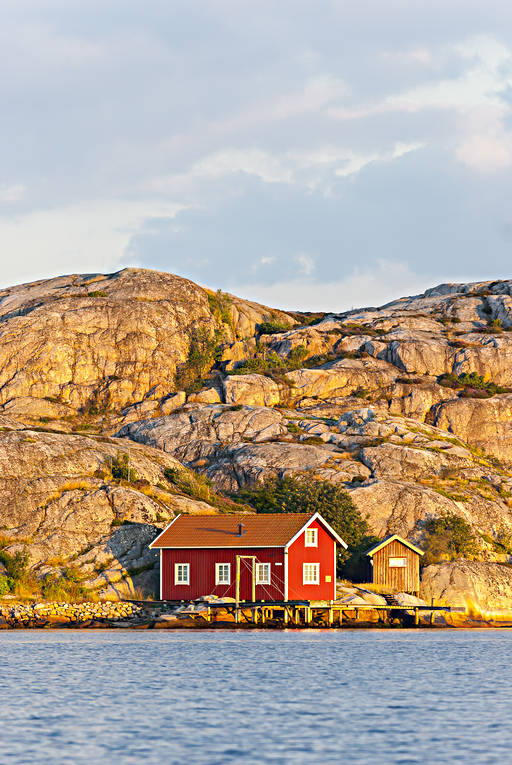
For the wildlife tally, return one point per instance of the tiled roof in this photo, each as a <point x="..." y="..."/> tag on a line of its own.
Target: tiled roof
<point x="265" y="530"/>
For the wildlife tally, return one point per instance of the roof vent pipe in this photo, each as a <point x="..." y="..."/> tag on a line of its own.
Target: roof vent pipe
<point x="241" y="529"/>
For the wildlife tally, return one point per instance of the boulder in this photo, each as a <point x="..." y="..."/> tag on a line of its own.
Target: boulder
<point x="478" y="585"/>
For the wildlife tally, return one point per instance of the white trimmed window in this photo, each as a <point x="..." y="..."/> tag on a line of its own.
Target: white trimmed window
<point x="182" y="573"/>
<point x="311" y="538"/>
<point x="223" y="573"/>
<point x="311" y="573"/>
<point x="262" y="573"/>
<point x="397" y="562"/>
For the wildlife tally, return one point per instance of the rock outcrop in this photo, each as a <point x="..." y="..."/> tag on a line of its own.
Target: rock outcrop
<point x="399" y="473"/>
<point x="480" y="587"/>
<point x="73" y="500"/>
<point x="370" y="399"/>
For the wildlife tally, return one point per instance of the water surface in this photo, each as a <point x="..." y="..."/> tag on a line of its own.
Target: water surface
<point x="354" y="696"/>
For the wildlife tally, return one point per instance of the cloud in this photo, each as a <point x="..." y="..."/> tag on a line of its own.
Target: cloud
<point x="71" y="239"/>
<point x="370" y="286"/>
<point x="12" y="193"/>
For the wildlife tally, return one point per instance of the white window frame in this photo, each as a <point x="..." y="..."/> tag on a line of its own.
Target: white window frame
<point x="314" y="541"/>
<point x="265" y="567"/>
<point x="185" y="567"/>
<point x="218" y="578"/>
<point x="397" y="562"/>
<point x="306" y="577"/>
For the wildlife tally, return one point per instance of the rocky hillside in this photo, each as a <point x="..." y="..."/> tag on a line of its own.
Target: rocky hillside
<point x="408" y="406"/>
<point x="93" y="504"/>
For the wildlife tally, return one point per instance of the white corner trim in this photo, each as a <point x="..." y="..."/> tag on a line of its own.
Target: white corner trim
<point x="161" y="575"/>
<point x="285" y="573"/>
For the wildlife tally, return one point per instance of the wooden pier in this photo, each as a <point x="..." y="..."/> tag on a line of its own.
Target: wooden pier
<point x="309" y="614"/>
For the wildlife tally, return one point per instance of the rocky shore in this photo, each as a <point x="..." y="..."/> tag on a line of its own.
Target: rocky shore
<point x="357" y="614"/>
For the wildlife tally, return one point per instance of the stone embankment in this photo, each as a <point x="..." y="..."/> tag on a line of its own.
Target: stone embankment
<point x="62" y="614"/>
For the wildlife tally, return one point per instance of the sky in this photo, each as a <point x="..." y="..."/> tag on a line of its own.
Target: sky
<point x="308" y="154"/>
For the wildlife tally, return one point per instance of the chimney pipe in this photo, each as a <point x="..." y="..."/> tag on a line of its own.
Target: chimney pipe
<point x="241" y="529"/>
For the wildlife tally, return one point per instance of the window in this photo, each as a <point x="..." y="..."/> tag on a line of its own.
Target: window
<point x="311" y="573"/>
<point x="182" y="573"/>
<point x="397" y="562"/>
<point x="223" y="573"/>
<point x="262" y="573"/>
<point x="311" y="537"/>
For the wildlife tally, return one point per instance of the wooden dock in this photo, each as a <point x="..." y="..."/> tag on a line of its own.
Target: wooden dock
<point x="308" y="614"/>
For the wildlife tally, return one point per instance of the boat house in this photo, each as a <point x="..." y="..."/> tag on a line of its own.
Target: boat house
<point x="395" y="563"/>
<point x="267" y="557"/>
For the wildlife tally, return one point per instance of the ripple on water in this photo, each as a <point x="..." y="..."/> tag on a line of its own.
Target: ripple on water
<point x="255" y="697"/>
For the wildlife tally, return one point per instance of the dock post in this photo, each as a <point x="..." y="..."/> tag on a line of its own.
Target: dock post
<point x="330" y="617"/>
<point x="341" y="616"/>
<point x="416" y="616"/>
<point x="285" y="615"/>
<point x="208" y="614"/>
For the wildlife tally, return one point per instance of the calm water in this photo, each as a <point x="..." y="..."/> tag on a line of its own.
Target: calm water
<point x="255" y="697"/>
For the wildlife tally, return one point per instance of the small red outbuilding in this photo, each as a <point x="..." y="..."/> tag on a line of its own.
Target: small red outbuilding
<point x="290" y="556"/>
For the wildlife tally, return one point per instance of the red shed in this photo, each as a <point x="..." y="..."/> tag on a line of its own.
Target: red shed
<point x="292" y="556"/>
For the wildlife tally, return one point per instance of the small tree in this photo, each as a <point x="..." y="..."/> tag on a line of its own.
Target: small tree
<point x="305" y="495"/>
<point x="449" y="537"/>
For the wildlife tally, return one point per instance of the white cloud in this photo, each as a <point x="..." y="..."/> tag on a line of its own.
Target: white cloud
<point x="306" y="264"/>
<point x="12" y="193"/>
<point x="364" y="287"/>
<point x="77" y="238"/>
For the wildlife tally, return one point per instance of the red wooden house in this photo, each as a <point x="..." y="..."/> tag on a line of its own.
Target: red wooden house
<point x="288" y="556"/>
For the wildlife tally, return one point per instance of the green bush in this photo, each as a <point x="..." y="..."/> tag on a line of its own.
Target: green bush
<point x="473" y="385"/>
<point x="16" y="565"/>
<point x="120" y="468"/>
<point x="220" y="306"/>
<point x="449" y="537"/>
<point x="293" y="428"/>
<point x="97" y="293"/>
<point x="303" y="494"/>
<point x="204" y="350"/>
<point x="272" y="327"/>
<point x="267" y="362"/>
<point x="193" y="485"/>
<point x="5" y="585"/>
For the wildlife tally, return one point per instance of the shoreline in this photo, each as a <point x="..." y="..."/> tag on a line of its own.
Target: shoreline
<point x="199" y="616"/>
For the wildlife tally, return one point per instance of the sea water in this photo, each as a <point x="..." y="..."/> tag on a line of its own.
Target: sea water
<point x="210" y="696"/>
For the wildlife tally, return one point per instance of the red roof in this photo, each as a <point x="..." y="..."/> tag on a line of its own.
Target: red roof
<point x="265" y="530"/>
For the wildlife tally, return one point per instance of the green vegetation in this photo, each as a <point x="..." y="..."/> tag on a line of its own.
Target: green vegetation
<point x="313" y="440"/>
<point x="120" y="468"/>
<point x="16" y="568"/>
<point x="188" y="483"/>
<point x="66" y="586"/>
<point x="293" y="428"/>
<point x="220" y="306"/>
<point x="473" y="385"/>
<point x="304" y="495"/>
<point x="97" y="293"/>
<point x="204" y="350"/>
<point x="272" y="327"/>
<point x="449" y="537"/>
<point x="267" y="362"/>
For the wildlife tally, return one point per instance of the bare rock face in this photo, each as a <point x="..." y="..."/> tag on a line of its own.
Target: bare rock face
<point x="398" y="473"/>
<point x="61" y="501"/>
<point x="481" y="587"/>
<point x="104" y="342"/>
<point x="356" y="399"/>
<point x="486" y="423"/>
